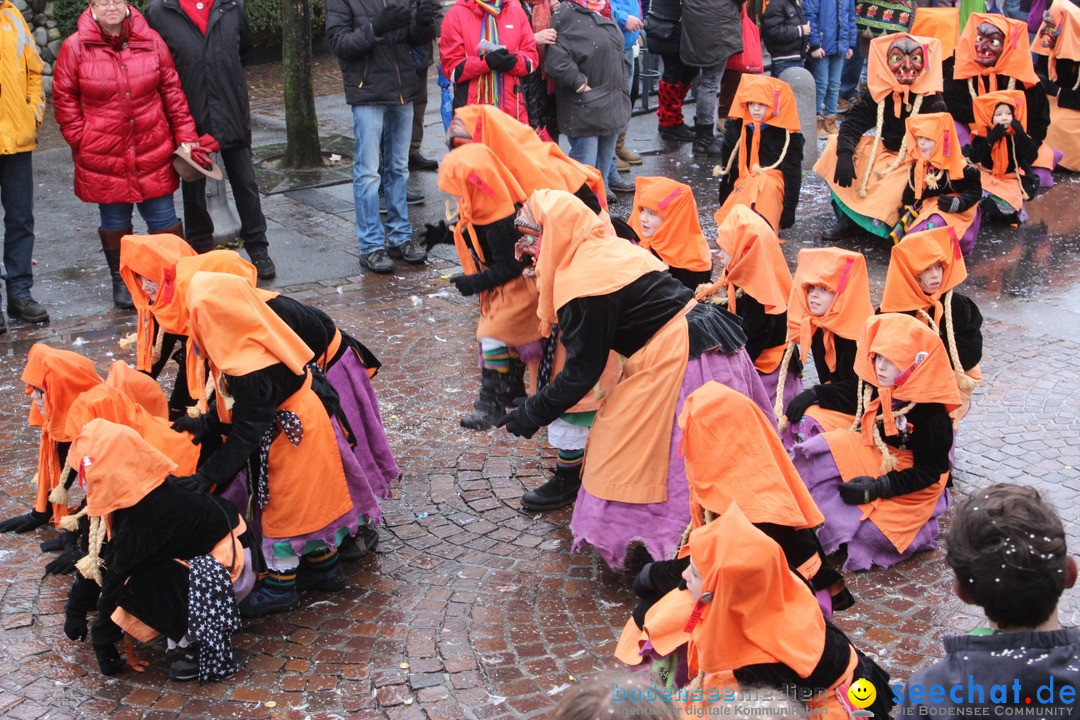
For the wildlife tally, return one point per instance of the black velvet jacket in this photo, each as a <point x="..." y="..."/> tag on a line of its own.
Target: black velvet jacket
<point x="929" y="436"/>
<point x="968" y="188"/>
<point x="838" y="388"/>
<point x="497" y="242"/>
<point x="863" y="117"/>
<point x="763" y="331"/>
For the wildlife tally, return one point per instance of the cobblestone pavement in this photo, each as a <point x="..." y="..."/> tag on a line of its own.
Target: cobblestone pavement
<point x="471" y="608"/>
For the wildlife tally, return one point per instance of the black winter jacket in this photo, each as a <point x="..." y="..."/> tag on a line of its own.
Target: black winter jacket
<point x="211" y="66"/>
<point x="781" y="30"/>
<point x="377" y="69"/>
<point x="711" y="32"/>
<point x="1067" y="70"/>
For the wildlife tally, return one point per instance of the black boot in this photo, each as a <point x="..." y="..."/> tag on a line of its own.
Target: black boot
<point x="842" y="229"/>
<point x="487" y="408"/>
<point x="512" y="384"/>
<point x="110" y="245"/>
<point x="705" y="143"/>
<point x="561" y="490"/>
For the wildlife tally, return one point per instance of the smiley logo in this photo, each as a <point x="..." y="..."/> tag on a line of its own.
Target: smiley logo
<point x="862" y="693"/>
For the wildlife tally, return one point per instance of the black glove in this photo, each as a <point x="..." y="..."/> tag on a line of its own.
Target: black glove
<point x="64" y="564"/>
<point x="949" y="203"/>
<point x="845" y="169"/>
<point x="996" y="133"/>
<point x="438" y="234"/>
<point x="60" y="543"/>
<point x="393" y="17"/>
<point x="798" y="405"/>
<point x="501" y="60"/>
<point x="109" y="660"/>
<point x="25" y="523"/>
<point x="192" y="483"/>
<point x="465" y="284"/>
<point x="863" y="489"/>
<point x="1049" y="86"/>
<point x="516" y="424"/>
<point x="1017" y="127"/>
<point x="197" y="426"/>
<point x="425" y="13"/>
<point x="75" y="626"/>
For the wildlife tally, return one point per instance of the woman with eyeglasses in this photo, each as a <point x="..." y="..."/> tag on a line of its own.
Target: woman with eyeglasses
<point x="120" y="106"/>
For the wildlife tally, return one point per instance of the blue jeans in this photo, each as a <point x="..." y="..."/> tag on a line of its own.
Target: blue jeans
<point x="17" y="197"/>
<point x="852" y="75"/>
<point x="827" y="71"/>
<point x="595" y="150"/>
<point x="388" y="127"/>
<point x="158" y="213"/>
<point x="781" y="66"/>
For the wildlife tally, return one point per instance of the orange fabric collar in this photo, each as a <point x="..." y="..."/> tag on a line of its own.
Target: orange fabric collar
<point x="842" y="272"/>
<point x="679" y="242"/>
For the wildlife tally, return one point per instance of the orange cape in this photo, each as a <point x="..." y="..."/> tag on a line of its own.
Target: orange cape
<point x="947" y="154"/>
<point x="749" y="466"/>
<point x="1014" y="61"/>
<point x="983" y="108"/>
<point x="154" y="257"/>
<point x="139" y="387"/>
<point x="577" y="257"/>
<point x="941" y="23"/>
<point x="914" y="254"/>
<point x="756" y="601"/>
<point x="842" y="272"/>
<point x="679" y="241"/>
<point x="881" y="81"/>
<point x="757" y="264"/>
<point x="118" y="467"/>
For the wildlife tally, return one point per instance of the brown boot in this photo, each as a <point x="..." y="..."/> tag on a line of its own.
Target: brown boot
<point x="621" y="165"/>
<point x="110" y="245"/>
<point x="625" y="154"/>
<point x="830" y="125"/>
<point x="177" y="230"/>
<point x="821" y="131"/>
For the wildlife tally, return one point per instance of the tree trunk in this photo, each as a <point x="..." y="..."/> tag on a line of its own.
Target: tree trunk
<point x="301" y="124"/>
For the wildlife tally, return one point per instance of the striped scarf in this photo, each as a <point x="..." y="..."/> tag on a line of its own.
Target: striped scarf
<point x="489" y="88"/>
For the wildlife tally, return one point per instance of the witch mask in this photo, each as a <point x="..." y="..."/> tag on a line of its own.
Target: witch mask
<point x="906" y="59"/>
<point x="989" y="42"/>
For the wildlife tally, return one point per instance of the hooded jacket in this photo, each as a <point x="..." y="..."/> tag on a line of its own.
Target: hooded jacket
<point x="22" y="106"/>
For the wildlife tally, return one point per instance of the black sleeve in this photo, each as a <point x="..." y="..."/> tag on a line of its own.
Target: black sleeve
<point x="861" y="117"/>
<point x="970" y="188"/>
<point x="311" y="324"/>
<point x="907" y="199"/>
<point x="841" y="392"/>
<point x="498" y="240"/>
<point x="1026" y="149"/>
<point x="420" y="34"/>
<point x="791" y="167"/>
<point x="350" y="38"/>
<point x="587" y="327"/>
<point x="1038" y="119"/>
<point x="979" y="153"/>
<point x="957" y="101"/>
<point x="732" y="131"/>
<point x="930" y="440"/>
<point x="1069" y="99"/>
<point x="757" y="324"/>
<point x="967" y="320"/>
<point x="82" y="596"/>
<point x="775" y="26"/>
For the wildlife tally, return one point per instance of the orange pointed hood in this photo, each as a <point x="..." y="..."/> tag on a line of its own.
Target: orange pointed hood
<point x="881" y="81"/>
<point x="1014" y="61"/>
<point x="63" y="375"/>
<point x="842" y="272"/>
<point x="947" y="154"/>
<point x="771" y="92"/>
<point x="679" y="242"/>
<point x="914" y="254"/>
<point x="118" y="467"/>
<point x="154" y="257"/>
<point x="237" y="332"/>
<point x="102" y="401"/>
<point x="757" y="264"/>
<point x="748" y="466"/>
<point x="1065" y="18"/>
<point x="757" y="601"/>
<point x="487" y="188"/>
<point x="140" y="387"/>
<point x="942" y="23"/>
<point x="536" y="164"/>
<point x="983" y="108"/>
<point x="577" y="257"/>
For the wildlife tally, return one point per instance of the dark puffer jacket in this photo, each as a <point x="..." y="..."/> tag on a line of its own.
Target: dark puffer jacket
<point x="781" y="30"/>
<point x="211" y="66"/>
<point x="123" y="112"/>
<point x="377" y="69"/>
<point x="711" y="32"/>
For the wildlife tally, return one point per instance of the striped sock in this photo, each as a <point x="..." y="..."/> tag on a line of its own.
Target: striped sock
<point x="283" y="580"/>
<point x="569" y="460"/>
<point x="497" y="358"/>
<point x="322" y="561"/>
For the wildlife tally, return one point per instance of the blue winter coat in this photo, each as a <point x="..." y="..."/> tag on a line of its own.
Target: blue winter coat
<point x="832" y="25"/>
<point x="620" y="11"/>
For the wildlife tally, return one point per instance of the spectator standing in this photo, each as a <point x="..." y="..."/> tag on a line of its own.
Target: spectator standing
<point x="627" y="15"/>
<point x="120" y="106"/>
<point x="786" y="33"/>
<point x="832" y="39"/>
<point x="373" y="41"/>
<point x="662" y="38"/>
<point x="491" y="76"/>
<point x="209" y="42"/>
<point x="711" y="34"/>
<point x="22" y="105"/>
<point x="874" y="18"/>
<point x="423" y="59"/>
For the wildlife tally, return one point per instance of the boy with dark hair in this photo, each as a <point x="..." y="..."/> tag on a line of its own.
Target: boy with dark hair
<point x="1007" y="550"/>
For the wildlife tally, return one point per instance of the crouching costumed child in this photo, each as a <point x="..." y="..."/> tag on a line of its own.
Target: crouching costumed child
<point x="665" y="218"/>
<point x="1058" y="42"/>
<point x="606" y="294"/>
<point x="1003" y="152"/>
<point x="882" y="485"/>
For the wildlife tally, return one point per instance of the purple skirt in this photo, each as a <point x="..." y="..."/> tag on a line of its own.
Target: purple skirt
<point x="792" y="387"/>
<point x="372" y="453"/>
<point x="611" y="526"/>
<point x="867" y="546"/>
<point x="967" y="242"/>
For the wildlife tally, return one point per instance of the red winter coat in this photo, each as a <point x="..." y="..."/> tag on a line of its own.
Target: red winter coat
<point x="463" y="65"/>
<point x="123" y="112"/>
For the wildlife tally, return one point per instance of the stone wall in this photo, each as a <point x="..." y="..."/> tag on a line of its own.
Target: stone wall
<point x="39" y="16"/>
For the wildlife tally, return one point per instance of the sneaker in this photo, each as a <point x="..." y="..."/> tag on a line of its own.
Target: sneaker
<point x="678" y="133"/>
<point x="354" y="547"/>
<point x="621" y="185"/>
<point x="419" y="162"/>
<point x="558" y="492"/>
<point x="265" y="600"/>
<point x="330" y="580"/>
<point x="186" y="667"/>
<point x="264" y="266"/>
<point x="409" y="251"/>
<point x="612" y="199"/>
<point x="377" y="262"/>
<point x="28" y="310"/>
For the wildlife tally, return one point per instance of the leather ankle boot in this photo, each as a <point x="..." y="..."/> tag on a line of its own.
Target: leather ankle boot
<point x="561" y="490"/>
<point x="177" y="230"/>
<point x="486" y="409"/>
<point x="110" y="245"/>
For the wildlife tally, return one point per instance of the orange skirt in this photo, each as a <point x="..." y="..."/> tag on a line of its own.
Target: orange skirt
<point x="883" y="193"/>
<point x="763" y="192"/>
<point x="508" y="313"/>
<point x="608" y="380"/>
<point x="960" y="222"/>
<point x="1064" y="135"/>
<point x="1006" y="189"/>
<point x="830" y="419"/>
